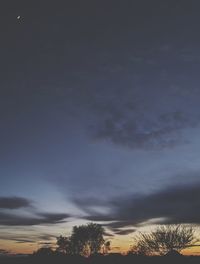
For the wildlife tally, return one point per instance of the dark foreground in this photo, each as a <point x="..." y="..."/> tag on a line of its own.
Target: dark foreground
<point x="99" y="260"/>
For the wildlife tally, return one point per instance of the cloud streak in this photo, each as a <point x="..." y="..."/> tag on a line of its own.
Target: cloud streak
<point x="172" y="205"/>
<point x="19" y="219"/>
<point x="124" y="232"/>
<point x="14" y="202"/>
<point x="7" y="219"/>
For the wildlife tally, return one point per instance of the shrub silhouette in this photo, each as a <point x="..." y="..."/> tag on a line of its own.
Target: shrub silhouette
<point x="44" y="252"/>
<point x="164" y="239"/>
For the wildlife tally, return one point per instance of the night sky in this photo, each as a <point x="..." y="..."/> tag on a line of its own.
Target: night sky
<point x="99" y="118"/>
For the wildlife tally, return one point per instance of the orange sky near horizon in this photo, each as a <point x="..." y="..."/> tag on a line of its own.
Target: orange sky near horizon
<point x="118" y="245"/>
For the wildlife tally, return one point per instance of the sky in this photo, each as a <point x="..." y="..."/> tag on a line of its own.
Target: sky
<point x="99" y="118"/>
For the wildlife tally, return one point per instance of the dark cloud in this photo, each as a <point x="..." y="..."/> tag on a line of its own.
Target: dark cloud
<point x="46" y="237"/>
<point x="46" y="243"/>
<point x="53" y="217"/>
<point x="178" y="204"/>
<point x="39" y="219"/>
<point x="142" y="107"/>
<point x="28" y="238"/>
<point x="14" y="202"/>
<point x="99" y="217"/>
<point x="22" y="241"/>
<point x="108" y="234"/>
<point x="18" y="219"/>
<point x="114" y="226"/>
<point x="129" y="128"/>
<point x="124" y="231"/>
<point x="174" y="205"/>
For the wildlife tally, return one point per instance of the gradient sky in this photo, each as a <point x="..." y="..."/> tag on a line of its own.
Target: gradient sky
<point x="99" y="117"/>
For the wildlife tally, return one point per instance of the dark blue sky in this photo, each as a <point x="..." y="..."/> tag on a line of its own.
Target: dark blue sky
<point x="99" y="110"/>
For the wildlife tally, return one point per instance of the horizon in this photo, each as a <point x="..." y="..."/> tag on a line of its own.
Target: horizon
<point x="100" y="119"/>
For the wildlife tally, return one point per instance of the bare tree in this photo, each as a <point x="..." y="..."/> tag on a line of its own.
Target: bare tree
<point x="165" y="239"/>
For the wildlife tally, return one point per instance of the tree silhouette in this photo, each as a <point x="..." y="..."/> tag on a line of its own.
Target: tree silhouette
<point x="64" y="245"/>
<point x="44" y="252"/>
<point x="106" y="247"/>
<point x="4" y="252"/>
<point x="164" y="239"/>
<point x="85" y="240"/>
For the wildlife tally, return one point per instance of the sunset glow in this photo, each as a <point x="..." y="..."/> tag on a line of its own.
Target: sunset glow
<point x="99" y="125"/>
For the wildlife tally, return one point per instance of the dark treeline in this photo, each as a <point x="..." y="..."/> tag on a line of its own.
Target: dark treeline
<point x="111" y="258"/>
<point x="87" y="245"/>
<point x="88" y="241"/>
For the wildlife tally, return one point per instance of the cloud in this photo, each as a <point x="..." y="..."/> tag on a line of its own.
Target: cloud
<point x="116" y="225"/>
<point x="46" y="237"/>
<point x="176" y="205"/>
<point x="131" y="130"/>
<point x="18" y="239"/>
<point x="46" y="243"/>
<point x="124" y="231"/>
<point x="28" y="238"/>
<point x="131" y="109"/>
<point x="39" y="219"/>
<point x="172" y="205"/>
<point x="100" y="217"/>
<point x="19" y="219"/>
<point x="22" y="241"/>
<point x="141" y="109"/>
<point x="108" y="234"/>
<point x="14" y="202"/>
